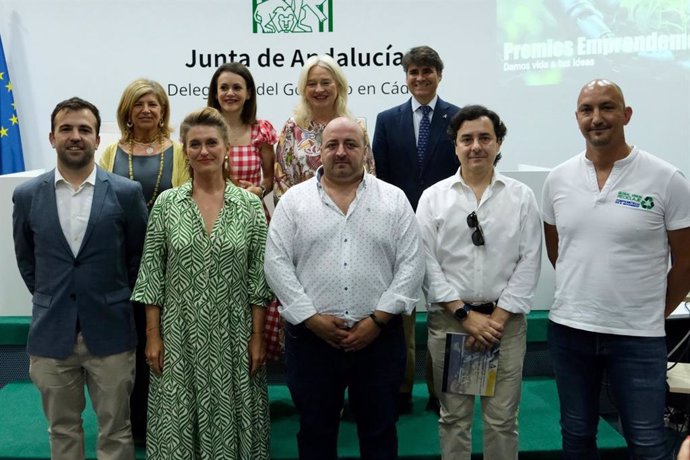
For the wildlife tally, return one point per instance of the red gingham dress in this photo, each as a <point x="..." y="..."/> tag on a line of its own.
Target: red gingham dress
<point x="245" y="164"/>
<point x="245" y="160"/>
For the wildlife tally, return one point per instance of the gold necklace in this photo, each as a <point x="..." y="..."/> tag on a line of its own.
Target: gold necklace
<point x="149" y="145"/>
<point x="149" y="203"/>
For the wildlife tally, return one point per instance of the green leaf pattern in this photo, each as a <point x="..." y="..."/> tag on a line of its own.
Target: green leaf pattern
<point x="205" y="405"/>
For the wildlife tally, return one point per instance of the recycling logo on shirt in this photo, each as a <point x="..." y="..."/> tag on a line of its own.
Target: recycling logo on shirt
<point x="634" y="200"/>
<point x="647" y="203"/>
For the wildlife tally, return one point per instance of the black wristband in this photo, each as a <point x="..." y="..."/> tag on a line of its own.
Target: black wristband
<point x="377" y="321"/>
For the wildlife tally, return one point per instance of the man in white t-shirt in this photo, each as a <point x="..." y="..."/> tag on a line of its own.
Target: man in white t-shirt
<point x="612" y="216"/>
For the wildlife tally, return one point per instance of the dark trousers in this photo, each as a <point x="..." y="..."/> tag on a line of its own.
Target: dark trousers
<point x="317" y="377"/>
<point x="636" y="370"/>
<point x="138" y="401"/>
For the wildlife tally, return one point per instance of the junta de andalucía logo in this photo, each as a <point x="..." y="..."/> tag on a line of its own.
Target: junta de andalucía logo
<point x="292" y="16"/>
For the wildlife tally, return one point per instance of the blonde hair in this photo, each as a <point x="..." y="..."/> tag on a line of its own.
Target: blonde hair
<point x="132" y="93"/>
<point x="303" y="113"/>
<point x="208" y="116"/>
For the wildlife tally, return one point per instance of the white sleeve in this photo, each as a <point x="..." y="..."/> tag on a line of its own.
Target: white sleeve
<point x="436" y="286"/>
<point x="279" y="268"/>
<point x="677" y="206"/>
<point x="409" y="265"/>
<point x="518" y="295"/>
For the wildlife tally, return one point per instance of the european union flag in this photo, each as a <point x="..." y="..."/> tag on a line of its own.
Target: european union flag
<point x="11" y="156"/>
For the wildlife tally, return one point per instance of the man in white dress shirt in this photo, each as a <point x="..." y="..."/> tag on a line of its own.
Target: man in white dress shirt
<point x="482" y="241"/>
<point x="344" y="257"/>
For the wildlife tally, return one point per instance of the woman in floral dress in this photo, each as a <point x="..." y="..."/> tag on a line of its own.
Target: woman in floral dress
<point x="202" y="281"/>
<point x="323" y="97"/>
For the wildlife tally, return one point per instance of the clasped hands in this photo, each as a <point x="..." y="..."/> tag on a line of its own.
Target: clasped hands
<point x="485" y="331"/>
<point x="334" y="331"/>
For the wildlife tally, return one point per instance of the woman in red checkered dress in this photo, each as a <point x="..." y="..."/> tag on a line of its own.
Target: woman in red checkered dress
<point x="233" y="93"/>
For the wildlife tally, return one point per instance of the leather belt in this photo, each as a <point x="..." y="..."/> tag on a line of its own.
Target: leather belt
<point x="484" y="308"/>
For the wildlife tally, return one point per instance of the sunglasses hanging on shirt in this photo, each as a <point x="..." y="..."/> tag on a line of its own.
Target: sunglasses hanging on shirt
<point x="477" y="234"/>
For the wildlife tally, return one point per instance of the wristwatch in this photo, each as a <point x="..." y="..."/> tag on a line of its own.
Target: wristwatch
<point x="461" y="313"/>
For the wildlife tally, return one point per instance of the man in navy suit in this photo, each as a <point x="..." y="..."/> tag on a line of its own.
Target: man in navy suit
<point x="78" y="237"/>
<point x="413" y="162"/>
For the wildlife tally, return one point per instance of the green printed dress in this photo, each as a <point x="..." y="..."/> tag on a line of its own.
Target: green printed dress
<point x="205" y="405"/>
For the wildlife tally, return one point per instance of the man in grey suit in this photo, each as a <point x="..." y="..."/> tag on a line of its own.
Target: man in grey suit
<point x="78" y="237"/>
<point x="412" y="150"/>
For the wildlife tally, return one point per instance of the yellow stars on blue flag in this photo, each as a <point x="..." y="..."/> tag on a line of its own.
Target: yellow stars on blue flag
<point x="11" y="156"/>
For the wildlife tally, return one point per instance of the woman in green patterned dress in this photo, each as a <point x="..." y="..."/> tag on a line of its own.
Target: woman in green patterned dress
<point x="202" y="281"/>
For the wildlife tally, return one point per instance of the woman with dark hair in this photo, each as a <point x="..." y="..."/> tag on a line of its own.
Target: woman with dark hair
<point x="233" y="93"/>
<point x="202" y="281"/>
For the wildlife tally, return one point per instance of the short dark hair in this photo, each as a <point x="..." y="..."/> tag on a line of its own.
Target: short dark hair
<point x="72" y="104"/>
<point x="422" y="56"/>
<point x="248" y="115"/>
<point x="474" y="112"/>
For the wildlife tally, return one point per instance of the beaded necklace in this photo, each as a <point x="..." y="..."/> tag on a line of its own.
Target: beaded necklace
<point x="130" y="154"/>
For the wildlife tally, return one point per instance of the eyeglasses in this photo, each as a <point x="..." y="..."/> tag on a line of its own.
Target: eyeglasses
<point x="478" y="234"/>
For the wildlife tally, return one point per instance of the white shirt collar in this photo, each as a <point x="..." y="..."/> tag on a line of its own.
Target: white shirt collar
<point x="496" y="177"/>
<point x="416" y="104"/>
<point x="90" y="179"/>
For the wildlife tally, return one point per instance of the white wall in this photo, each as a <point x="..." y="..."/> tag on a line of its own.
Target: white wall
<point x="93" y="48"/>
<point x="60" y="48"/>
<point x="15" y="299"/>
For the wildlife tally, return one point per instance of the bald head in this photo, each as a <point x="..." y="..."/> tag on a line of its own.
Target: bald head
<point x="602" y="84"/>
<point x="342" y="122"/>
<point x="602" y="116"/>
<point x="342" y="151"/>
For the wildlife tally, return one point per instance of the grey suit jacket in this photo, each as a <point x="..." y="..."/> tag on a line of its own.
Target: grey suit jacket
<point x="395" y="149"/>
<point x="95" y="285"/>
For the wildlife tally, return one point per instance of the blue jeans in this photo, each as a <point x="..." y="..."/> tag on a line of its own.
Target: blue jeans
<point x="318" y="375"/>
<point x="636" y="371"/>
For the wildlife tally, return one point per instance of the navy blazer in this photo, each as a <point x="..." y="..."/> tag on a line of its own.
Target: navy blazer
<point x="97" y="283"/>
<point x="395" y="149"/>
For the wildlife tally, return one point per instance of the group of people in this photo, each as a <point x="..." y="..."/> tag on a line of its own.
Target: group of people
<point x="164" y="259"/>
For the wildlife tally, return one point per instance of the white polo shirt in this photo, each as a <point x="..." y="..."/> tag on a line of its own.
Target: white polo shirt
<point x="613" y="252"/>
